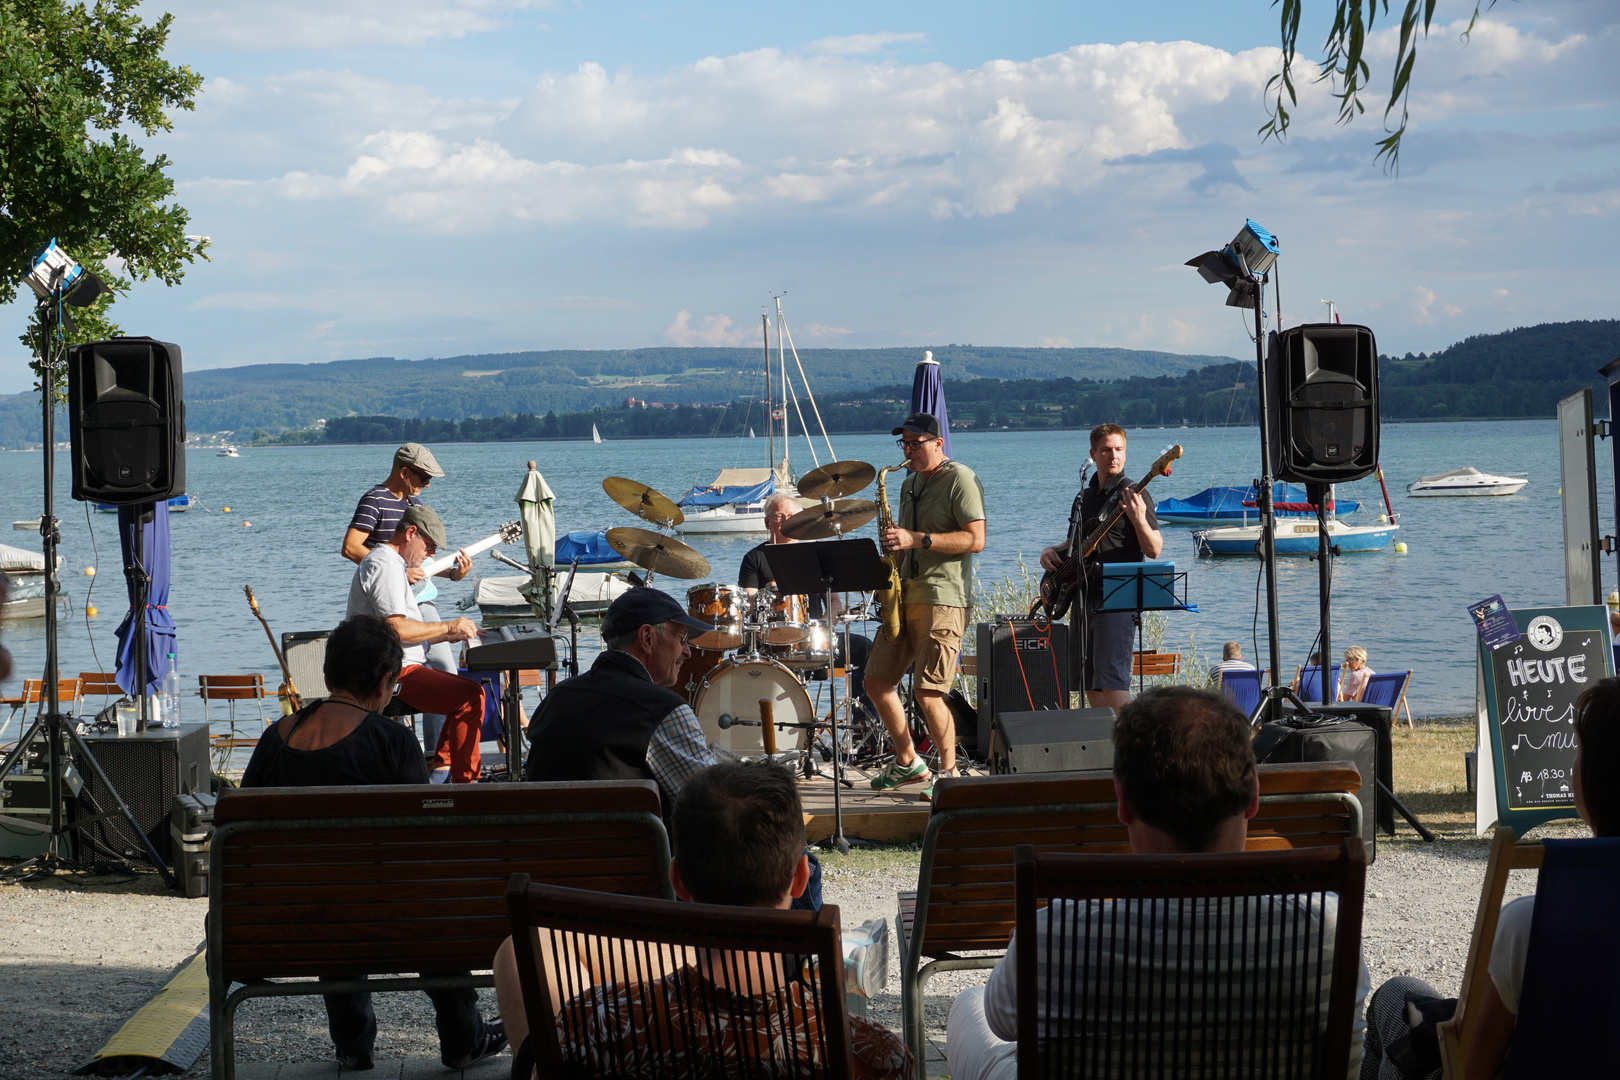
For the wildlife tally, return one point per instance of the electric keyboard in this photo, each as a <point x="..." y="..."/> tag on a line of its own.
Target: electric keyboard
<point x="513" y="648"/>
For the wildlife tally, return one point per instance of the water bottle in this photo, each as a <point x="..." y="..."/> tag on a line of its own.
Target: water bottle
<point x="171" y="695"/>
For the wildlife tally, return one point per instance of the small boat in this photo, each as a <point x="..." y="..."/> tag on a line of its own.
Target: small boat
<point x="589" y="549"/>
<point x="1293" y="538"/>
<point x="25" y="598"/>
<point x="229" y="451"/>
<point x="177" y="505"/>
<point x="1467" y="481"/>
<point x="734" y="503"/>
<point x="1240" y="505"/>
<point x="596" y="436"/>
<point x="591" y="593"/>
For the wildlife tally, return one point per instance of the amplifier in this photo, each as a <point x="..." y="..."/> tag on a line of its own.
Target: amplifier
<point x="305" y="653"/>
<point x="148" y="768"/>
<point x="1023" y="665"/>
<point x="27" y="796"/>
<point x="1341" y="740"/>
<point x="1052" y="740"/>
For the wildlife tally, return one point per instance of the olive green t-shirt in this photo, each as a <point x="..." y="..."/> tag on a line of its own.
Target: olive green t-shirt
<point x="944" y="502"/>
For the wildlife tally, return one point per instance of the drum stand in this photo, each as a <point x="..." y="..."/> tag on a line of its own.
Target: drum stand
<point x="830" y="566"/>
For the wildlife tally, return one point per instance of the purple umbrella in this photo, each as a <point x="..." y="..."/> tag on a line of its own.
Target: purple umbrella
<point x="159" y="631"/>
<point x="928" y="395"/>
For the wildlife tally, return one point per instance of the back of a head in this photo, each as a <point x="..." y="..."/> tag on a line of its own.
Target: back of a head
<point x="362" y="652"/>
<point x="1185" y="761"/>
<point x="1231" y="651"/>
<point x="738" y="832"/>
<point x="1597" y="725"/>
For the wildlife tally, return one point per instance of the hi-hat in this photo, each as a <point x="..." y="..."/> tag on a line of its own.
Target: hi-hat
<point x="836" y="479"/>
<point x="830" y="519"/>
<point x="646" y="503"/>
<point x="659" y="553"/>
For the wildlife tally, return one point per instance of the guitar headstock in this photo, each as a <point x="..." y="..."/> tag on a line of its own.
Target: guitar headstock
<point x="511" y="531"/>
<point x="252" y="601"/>
<point x="1162" y="466"/>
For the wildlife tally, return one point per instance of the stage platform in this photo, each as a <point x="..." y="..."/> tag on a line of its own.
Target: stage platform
<point x="887" y="817"/>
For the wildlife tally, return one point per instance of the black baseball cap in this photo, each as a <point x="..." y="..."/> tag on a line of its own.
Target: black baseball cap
<point x="920" y="423"/>
<point x="643" y="607"/>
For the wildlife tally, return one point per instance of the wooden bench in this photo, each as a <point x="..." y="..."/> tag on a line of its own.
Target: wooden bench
<point x="358" y="881"/>
<point x="964" y="897"/>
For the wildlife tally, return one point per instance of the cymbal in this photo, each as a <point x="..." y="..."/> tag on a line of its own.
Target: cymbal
<point x="659" y="553"/>
<point x="830" y="519"/>
<point x="644" y="502"/>
<point x="837" y="479"/>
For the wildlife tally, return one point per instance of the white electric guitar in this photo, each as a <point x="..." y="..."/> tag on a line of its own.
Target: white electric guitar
<point x="506" y="534"/>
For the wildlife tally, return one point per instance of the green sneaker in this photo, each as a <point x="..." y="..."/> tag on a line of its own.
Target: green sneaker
<point x="897" y="774"/>
<point x="927" y="793"/>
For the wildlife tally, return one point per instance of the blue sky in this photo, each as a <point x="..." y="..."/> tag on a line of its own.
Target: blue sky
<point x="422" y="178"/>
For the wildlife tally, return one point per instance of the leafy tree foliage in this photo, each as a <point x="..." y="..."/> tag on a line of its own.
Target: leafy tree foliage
<point x="1344" y="64"/>
<point x="75" y="79"/>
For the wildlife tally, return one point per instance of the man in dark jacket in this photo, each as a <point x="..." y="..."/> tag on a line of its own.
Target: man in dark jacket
<point x="620" y="720"/>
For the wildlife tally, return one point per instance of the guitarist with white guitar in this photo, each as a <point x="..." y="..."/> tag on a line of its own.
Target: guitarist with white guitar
<point x="1101" y="641"/>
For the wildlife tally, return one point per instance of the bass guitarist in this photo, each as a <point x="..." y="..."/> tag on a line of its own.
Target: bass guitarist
<point x="1101" y="641"/>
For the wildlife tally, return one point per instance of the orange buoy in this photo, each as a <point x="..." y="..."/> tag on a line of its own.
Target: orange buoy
<point x="91" y="611"/>
<point x="245" y="524"/>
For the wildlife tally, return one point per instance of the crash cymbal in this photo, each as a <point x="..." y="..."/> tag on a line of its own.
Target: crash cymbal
<point x="830" y="519"/>
<point x="837" y="479"/>
<point x="644" y="502"/>
<point x="659" y="553"/>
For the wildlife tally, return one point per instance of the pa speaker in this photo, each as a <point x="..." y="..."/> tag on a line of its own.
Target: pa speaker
<point x="148" y="769"/>
<point x="126" y="419"/>
<point x="1322" y="382"/>
<point x="1053" y="740"/>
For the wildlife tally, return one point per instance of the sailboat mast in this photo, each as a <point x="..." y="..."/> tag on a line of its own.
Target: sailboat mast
<point x="770" y="431"/>
<point x="781" y="359"/>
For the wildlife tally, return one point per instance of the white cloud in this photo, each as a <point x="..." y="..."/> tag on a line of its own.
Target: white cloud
<point x="713" y="330"/>
<point x="1055" y="342"/>
<point x="860" y="44"/>
<point x="818" y="332"/>
<point x="258" y="25"/>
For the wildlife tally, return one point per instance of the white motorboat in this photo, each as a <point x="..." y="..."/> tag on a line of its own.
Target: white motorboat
<point x="1466" y="481"/>
<point x="229" y="451"/>
<point x="591" y="593"/>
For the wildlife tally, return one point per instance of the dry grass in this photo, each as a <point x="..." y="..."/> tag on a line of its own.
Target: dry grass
<point x="1430" y="779"/>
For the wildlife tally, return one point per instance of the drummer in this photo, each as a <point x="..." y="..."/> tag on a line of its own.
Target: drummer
<point x="755" y="574"/>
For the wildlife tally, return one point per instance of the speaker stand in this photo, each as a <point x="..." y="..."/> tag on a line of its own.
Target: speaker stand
<point x="51" y="720"/>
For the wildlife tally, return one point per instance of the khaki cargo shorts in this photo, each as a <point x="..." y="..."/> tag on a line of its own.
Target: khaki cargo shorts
<point x="931" y="639"/>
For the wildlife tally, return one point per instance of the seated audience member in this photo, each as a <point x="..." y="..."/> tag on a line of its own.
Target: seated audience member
<point x="1231" y="660"/>
<point x="1185" y="780"/>
<point x="343" y="740"/>
<point x="1353" y="677"/>
<point x="1597" y="801"/>
<point x="737" y="834"/>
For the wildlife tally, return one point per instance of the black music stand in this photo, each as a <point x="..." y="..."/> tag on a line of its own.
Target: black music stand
<point x="1139" y="587"/>
<point x="826" y="567"/>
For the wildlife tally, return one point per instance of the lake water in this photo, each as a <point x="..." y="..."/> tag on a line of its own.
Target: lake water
<point x="1408" y="611"/>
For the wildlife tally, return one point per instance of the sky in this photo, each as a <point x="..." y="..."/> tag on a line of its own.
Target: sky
<point x="433" y="178"/>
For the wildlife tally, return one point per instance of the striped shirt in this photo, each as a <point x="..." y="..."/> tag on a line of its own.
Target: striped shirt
<point x="378" y="514"/>
<point x="1198" y="986"/>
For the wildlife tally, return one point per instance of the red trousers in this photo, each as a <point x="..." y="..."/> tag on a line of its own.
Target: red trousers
<point x="462" y="703"/>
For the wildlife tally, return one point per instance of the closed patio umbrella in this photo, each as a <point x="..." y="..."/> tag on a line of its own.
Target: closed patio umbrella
<point x="144" y="528"/>
<point x="534" y="499"/>
<point x="928" y="395"/>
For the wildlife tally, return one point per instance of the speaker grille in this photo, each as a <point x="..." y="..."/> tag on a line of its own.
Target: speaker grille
<point x="148" y="770"/>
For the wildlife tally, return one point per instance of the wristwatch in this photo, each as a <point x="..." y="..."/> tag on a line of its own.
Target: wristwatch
<point x="927" y="541"/>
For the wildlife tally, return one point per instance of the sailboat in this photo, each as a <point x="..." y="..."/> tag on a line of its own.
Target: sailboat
<point x="596" y="436"/>
<point x="735" y="501"/>
<point x="750" y="433"/>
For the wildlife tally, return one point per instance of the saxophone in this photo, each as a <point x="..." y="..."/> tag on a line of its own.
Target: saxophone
<point x="889" y="598"/>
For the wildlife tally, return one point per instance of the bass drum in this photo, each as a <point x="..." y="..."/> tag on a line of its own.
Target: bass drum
<point x="694" y="670"/>
<point x="735" y="687"/>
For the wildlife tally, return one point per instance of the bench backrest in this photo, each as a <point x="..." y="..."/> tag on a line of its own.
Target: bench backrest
<point x="965" y="880"/>
<point x="376" y="880"/>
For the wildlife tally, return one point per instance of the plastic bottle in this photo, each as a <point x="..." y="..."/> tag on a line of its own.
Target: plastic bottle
<point x="171" y="695"/>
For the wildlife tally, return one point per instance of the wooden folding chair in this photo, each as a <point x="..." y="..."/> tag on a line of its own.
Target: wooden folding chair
<point x="102" y="684"/>
<point x="1389" y="689"/>
<point x="67" y="692"/>
<point x="1228" y="964"/>
<point x="761" y="1022"/>
<point x="231" y="689"/>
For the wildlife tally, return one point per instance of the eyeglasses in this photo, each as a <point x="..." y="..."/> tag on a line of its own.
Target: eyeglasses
<point x="421" y="477"/>
<point x="908" y="444"/>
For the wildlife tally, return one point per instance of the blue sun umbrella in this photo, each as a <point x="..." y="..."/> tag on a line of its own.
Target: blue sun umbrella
<point x="159" y="637"/>
<point x="928" y="395"/>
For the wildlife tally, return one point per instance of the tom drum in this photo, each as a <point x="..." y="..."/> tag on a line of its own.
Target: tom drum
<point x="786" y="621"/>
<point x="720" y="606"/>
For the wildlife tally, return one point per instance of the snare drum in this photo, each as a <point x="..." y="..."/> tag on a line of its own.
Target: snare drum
<point x="784" y="616"/>
<point x="812" y="651"/>
<point x="735" y="687"/>
<point x="717" y="605"/>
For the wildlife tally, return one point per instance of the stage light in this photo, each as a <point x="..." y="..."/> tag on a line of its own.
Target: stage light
<point x="55" y="272"/>
<point x="1240" y="264"/>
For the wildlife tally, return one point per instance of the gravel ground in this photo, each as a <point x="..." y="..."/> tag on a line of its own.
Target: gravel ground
<point x="81" y="956"/>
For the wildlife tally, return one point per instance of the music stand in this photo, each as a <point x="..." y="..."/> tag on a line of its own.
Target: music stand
<point x="826" y="567"/>
<point x="1139" y="587"/>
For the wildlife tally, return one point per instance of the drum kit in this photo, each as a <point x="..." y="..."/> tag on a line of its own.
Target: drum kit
<point x="751" y="670"/>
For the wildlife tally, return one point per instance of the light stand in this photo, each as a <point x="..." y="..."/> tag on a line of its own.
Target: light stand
<point x="51" y="719"/>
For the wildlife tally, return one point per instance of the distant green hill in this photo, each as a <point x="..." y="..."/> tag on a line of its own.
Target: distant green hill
<point x="1519" y="373"/>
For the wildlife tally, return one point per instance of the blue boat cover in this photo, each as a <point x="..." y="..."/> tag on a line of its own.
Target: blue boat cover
<point x="725" y="496"/>
<point x="589" y="547"/>
<point x="1230" y="500"/>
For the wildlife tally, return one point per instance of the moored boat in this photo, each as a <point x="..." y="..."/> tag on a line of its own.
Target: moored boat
<point x="590" y="594"/>
<point x="1294" y="538"/>
<point x="734" y="503"/>
<point x="1239" y="505"/>
<point x="1466" y="481"/>
<point x="177" y="505"/>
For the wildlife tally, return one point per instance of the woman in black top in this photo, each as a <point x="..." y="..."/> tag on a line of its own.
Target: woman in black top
<point x="342" y="740"/>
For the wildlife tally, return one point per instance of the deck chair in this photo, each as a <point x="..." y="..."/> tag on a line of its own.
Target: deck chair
<point x="102" y="684"/>
<point x="1282" y="1009"/>
<point x="1310" y="685"/>
<point x="581" y="1033"/>
<point x="1243" y="689"/>
<point x="1570" y="1000"/>
<point x="67" y="692"/>
<point x="231" y="689"/>
<point x="1389" y="690"/>
<point x="1506" y="856"/>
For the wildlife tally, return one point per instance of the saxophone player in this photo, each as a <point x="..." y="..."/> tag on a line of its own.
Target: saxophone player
<point x="938" y="528"/>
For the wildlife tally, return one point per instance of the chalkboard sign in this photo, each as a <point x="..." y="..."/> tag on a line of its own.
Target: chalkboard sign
<point x="1528" y="688"/>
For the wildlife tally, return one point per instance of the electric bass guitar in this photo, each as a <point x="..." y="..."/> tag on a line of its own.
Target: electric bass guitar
<point x="1058" y="586"/>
